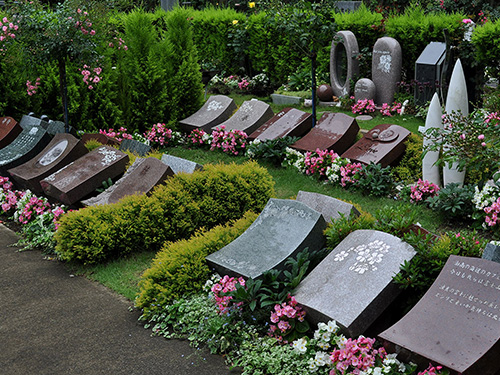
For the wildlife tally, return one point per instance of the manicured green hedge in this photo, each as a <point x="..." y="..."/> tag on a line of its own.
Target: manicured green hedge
<point x="180" y="267"/>
<point x="173" y="211"/>
<point x="486" y="38"/>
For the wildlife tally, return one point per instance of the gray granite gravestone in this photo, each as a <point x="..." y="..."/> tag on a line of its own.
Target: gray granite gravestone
<point x="27" y="144"/>
<point x="101" y="138"/>
<point x="56" y="127"/>
<point x="329" y="207"/>
<point x="428" y="69"/>
<point x="383" y="144"/>
<point x="62" y="150"/>
<point x="364" y="89"/>
<point x="27" y="122"/>
<point x="344" y="65"/>
<point x="83" y="176"/>
<point x="135" y="147"/>
<point x="334" y="131"/>
<point x="283" y="229"/>
<point x="387" y="60"/>
<point x="281" y="99"/>
<point x="9" y="130"/>
<point x="457" y="322"/>
<point x="348" y="6"/>
<point x="140" y="178"/>
<point x="491" y="252"/>
<point x="249" y="117"/>
<point x="353" y="284"/>
<point x="216" y="110"/>
<point x="289" y="122"/>
<point x="180" y="165"/>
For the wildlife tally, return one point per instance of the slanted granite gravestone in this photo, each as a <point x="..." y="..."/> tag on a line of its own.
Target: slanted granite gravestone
<point x="353" y="284"/>
<point x="289" y="122"/>
<point x="384" y="144"/>
<point x="140" y="178"/>
<point x="387" y="60"/>
<point x="83" y="176"/>
<point x="56" y="127"/>
<point x="101" y="138"/>
<point x="27" y="144"/>
<point x="364" y="89"/>
<point x="283" y="229"/>
<point x="180" y="165"/>
<point x="457" y="322"/>
<point x="28" y="121"/>
<point x="62" y="150"/>
<point x="281" y="99"/>
<point x="329" y="207"/>
<point x="344" y="65"/>
<point x="249" y="117"/>
<point x="492" y="252"/>
<point x="9" y="130"/>
<point x="216" y="110"/>
<point x="135" y="147"/>
<point x="334" y="131"/>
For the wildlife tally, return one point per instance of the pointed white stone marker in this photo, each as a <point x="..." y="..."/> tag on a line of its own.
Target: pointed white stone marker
<point x="456" y="100"/>
<point x="430" y="171"/>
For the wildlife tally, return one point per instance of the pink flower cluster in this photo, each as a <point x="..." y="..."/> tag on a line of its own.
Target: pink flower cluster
<point x="225" y="285"/>
<point x="244" y="84"/>
<point x="9" y="202"/>
<point x="350" y="174"/>
<point x="423" y="190"/>
<point x="282" y="315"/>
<point x="492" y="118"/>
<point x="7" y="29"/>
<point x="5" y="184"/>
<point x="355" y="355"/>
<point x="431" y="370"/>
<point x="199" y="137"/>
<point x="32" y="88"/>
<point x="85" y="26"/>
<point x="230" y="142"/>
<point x="35" y="206"/>
<point x="317" y="162"/>
<point x="159" y="134"/>
<point x="388" y="110"/>
<point x="492" y="213"/>
<point x="363" y="107"/>
<point x="91" y="76"/>
<point x="119" y="134"/>
<point x="119" y="43"/>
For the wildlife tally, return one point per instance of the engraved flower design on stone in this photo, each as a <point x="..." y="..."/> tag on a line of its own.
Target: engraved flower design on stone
<point x="340" y="256"/>
<point x="367" y="256"/>
<point x="109" y="156"/>
<point x="385" y="63"/>
<point x="214" y="105"/>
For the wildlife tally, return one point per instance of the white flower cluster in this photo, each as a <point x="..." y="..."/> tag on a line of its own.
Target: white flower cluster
<point x="388" y="366"/>
<point x="333" y="171"/>
<point x="485" y="197"/>
<point x="249" y="153"/>
<point x="294" y="158"/>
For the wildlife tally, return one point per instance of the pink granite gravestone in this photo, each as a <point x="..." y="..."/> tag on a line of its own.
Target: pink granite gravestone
<point x="9" y="130"/>
<point x="289" y="122"/>
<point x="62" y="150"/>
<point x="216" y="110"/>
<point x="343" y="63"/>
<point x="334" y="131"/>
<point x="384" y="144"/>
<point x="83" y="176"/>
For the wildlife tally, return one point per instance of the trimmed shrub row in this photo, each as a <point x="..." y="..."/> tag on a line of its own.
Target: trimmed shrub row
<point x="173" y="211"/>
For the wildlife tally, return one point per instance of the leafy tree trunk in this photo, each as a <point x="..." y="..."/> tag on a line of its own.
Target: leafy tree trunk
<point x="63" y="87"/>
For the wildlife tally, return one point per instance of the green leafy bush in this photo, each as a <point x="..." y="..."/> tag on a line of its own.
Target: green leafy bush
<point x="272" y="150"/>
<point x="342" y="227"/>
<point x="409" y="167"/>
<point x="454" y="201"/>
<point x="180" y="267"/>
<point x="173" y="211"/>
<point x="376" y="181"/>
<point x="486" y="39"/>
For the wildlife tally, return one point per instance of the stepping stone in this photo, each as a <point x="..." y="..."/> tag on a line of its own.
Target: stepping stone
<point x="384" y="144"/>
<point x="82" y="177"/>
<point x="334" y="131"/>
<point x="249" y="117"/>
<point x="353" y="284"/>
<point x="215" y="111"/>
<point x="62" y="150"/>
<point x="457" y="322"/>
<point x="329" y="207"/>
<point x="9" y="130"/>
<point x="27" y="144"/>
<point x="289" y="122"/>
<point x="135" y="147"/>
<point x="283" y="229"/>
<point x="179" y="165"/>
<point x="101" y="138"/>
<point x="140" y="178"/>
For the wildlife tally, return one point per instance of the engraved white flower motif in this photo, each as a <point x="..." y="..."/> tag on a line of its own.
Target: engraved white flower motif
<point x="109" y="156"/>
<point x="367" y="256"/>
<point x="385" y="63"/>
<point x="214" y="105"/>
<point x="340" y="256"/>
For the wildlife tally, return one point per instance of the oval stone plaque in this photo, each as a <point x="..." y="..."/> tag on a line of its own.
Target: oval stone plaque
<point x="53" y="153"/>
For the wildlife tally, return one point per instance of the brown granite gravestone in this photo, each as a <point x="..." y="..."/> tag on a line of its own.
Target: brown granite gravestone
<point x="353" y="284"/>
<point x="334" y="131"/>
<point x="83" y="176"/>
<point x="101" y="138"/>
<point x="62" y="150"/>
<point x="27" y="144"/>
<point x="9" y="130"/>
<point x="289" y="122"/>
<point x="216" y="110"/>
<point x="140" y="178"/>
<point x="249" y="117"/>
<point x="344" y="65"/>
<point x="457" y="322"/>
<point x="387" y="60"/>
<point x="384" y="144"/>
